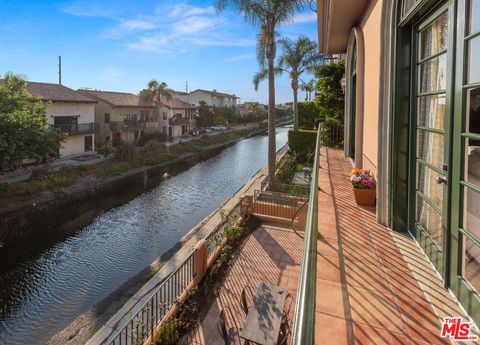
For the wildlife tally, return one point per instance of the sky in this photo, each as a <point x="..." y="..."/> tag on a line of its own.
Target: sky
<point x="120" y="45"/>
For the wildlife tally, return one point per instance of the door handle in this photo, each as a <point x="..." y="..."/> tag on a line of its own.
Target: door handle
<point x="442" y="179"/>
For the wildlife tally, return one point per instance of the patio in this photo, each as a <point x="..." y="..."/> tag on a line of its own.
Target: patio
<point x="374" y="286"/>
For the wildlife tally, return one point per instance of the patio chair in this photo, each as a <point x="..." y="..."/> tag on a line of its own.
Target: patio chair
<point x="230" y="335"/>
<point x="284" y="333"/>
<point x="243" y="298"/>
<point x="287" y="307"/>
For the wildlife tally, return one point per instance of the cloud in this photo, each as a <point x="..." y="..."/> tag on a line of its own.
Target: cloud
<point x="240" y="57"/>
<point x="171" y="29"/>
<point x="187" y="10"/>
<point x="304" y="18"/>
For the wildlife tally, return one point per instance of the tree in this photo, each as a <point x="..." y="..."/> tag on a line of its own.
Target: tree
<point x="24" y="133"/>
<point x="206" y="115"/>
<point x="308" y="114"/>
<point x="308" y="87"/>
<point x="296" y="58"/>
<point x="266" y="15"/>
<point x="156" y="92"/>
<point x="330" y="99"/>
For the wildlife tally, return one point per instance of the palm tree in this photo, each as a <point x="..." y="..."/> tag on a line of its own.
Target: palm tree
<point x="155" y="92"/>
<point x="296" y="58"/>
<point x="266" y="15"/>
<point x="308" y="87"/>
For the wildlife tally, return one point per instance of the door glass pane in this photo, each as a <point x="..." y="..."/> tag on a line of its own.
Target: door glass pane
<point x="430" y="147"/>
<point x="473" y="111"/>
<point x="427" y="184"/>
<point x="472" y="263"/>
<point x="430" y="220"/>
<point x="473" y="60"/>
<point x="472" y="212"/>
<point x="474" y="16"/>
<point x="433" y="74"/>
<point x="431" y="111"/>
<point x="472" y="161"/>
<point x="433" y="39"/>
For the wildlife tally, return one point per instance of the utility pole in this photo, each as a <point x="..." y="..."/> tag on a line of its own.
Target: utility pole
<point x="59" y="70"/>
<point x="186" y="86"/>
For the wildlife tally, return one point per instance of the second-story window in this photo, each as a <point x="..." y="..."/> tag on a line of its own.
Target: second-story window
<point x="164" y="115"/>
<point x="107" y="117"/>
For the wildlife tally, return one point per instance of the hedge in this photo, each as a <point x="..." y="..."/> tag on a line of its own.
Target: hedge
<point x="302" y="143"/>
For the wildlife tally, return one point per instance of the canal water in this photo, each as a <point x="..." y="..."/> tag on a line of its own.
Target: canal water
<point x="44" y="294"/>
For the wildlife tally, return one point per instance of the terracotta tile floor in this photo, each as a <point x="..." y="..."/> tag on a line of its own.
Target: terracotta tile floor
<point x="374" y="286"/>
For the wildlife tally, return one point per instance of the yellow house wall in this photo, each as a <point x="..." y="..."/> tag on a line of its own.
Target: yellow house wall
<point x="371" y="26"/>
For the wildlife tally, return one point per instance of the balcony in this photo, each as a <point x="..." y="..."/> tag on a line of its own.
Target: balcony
<point x="76" y="128"/>
<point x="122" y="126"/>
<point x="352" y="280"/>
<point x="177" y="122"/>
<point x="370" y="285"/>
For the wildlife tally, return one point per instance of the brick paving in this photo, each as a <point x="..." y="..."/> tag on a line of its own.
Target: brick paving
<point x="374" y="286"/>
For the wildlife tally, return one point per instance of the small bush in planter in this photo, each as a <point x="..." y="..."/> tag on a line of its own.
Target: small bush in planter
<point x="168" y="334"/>
<point x="363" y="186"/>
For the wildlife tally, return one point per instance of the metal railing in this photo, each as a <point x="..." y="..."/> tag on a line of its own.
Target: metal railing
<point x="332" y="135"/>
<point x="303" y="331"/>
<point x="118" y="126"/>
<point x="76" y="128"/>
<point x="144" y="321"/>
<point x="276" y="204"/>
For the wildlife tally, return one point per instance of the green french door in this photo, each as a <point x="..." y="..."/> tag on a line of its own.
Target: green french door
<point x="430" y="152"/>
<point x="465" y="223"/>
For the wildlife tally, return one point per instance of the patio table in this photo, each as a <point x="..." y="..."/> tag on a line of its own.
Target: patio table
<point x="264" y="318"/>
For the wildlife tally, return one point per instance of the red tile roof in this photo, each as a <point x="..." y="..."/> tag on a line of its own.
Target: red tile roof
<point x="56" y="93"/>
<point x="117" y="99"/>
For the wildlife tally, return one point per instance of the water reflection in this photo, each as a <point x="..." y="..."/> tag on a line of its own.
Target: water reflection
<point x="45" y="293"/>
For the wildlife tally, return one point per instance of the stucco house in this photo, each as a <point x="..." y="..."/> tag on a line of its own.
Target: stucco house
<point x="122" y="116"/>
<point x="71" y="113"/>
<point x="412" y="116"/>
<point x="212" y="98"/>
<point x="177" y="117"/>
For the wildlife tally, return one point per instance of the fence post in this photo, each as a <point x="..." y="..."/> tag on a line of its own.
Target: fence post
<point x="246" y="206"/>
<point x="200" y="256"/>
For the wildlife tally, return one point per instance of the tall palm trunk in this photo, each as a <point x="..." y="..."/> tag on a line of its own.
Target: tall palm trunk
<point x="295" y="107"/>
<point x="272" y="152"/>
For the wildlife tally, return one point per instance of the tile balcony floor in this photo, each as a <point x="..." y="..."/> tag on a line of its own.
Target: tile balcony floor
<point x="374" y="286"/>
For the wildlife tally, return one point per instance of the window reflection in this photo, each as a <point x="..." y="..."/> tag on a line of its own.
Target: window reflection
<point x="430" y="220"/>
<point x="433" y="74"/>
<point x="473" y="65"/>
<point x="473" y="116"/>
<point x="474" y="16"/>
<point x="434" y="38"/>
<point x="472" y="264"/>
<point x="431" y="111"/>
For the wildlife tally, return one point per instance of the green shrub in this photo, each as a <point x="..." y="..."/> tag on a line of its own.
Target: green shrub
<point x="114" y="168"/>
<point x="125" y="152"/>
<point x="3" y="187"/>
<point x="168" y="334"/>
<point x="105" y="150"/>
<point x="302" y="143"/>
<point x="285" y="168"/>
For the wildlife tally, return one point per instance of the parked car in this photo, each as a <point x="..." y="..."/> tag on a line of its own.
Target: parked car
<point x="218" y="128"/>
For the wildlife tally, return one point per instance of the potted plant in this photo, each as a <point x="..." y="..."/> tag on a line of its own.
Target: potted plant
<point x="363" y="186"/>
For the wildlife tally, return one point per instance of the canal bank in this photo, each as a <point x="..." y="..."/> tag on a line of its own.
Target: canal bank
<point x="56" y="214"/>
<point x="70" y="278"/>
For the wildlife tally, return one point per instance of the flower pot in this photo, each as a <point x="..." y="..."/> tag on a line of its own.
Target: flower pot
<point x="365" y="197"/>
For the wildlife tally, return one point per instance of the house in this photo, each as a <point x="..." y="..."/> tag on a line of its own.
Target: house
<point x="177" y="117"/>
<point x="212" y="98"/>
<point x="71" y="113"/>
<point x="122" y="116"/>
<point x="412" y="116"/>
